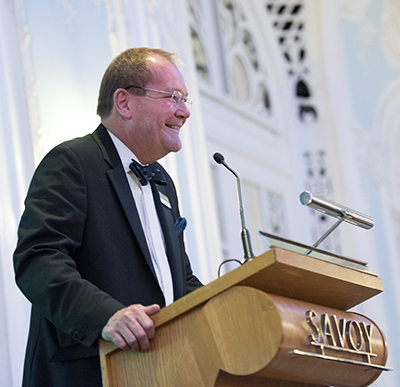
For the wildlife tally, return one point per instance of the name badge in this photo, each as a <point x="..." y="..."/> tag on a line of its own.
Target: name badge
<point x="164" y="200"/>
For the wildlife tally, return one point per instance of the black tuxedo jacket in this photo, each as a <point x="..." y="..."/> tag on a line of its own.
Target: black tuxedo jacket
<point x="82" y="255"/>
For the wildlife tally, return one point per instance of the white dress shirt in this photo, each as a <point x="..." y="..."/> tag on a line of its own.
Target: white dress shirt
<point x="148" y="216"/>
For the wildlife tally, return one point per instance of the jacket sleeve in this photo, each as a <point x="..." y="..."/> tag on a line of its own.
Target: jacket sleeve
<point x="51" y="229"/>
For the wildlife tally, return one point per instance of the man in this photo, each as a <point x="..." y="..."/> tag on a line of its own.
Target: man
<point x="100" y="244"/>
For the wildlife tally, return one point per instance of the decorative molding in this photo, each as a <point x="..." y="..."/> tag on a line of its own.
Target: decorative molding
<point x="289" y="25"/>
<point x="319" y="183"/>
<point x="371" y="155"/>
<point x="198" y="32"/>
<point x="244" y="75"/>
<point x="248" y="80"/>
<point x="200" y="56"/>
<point x="317" y="178"/>
<point x="276" y="213"/>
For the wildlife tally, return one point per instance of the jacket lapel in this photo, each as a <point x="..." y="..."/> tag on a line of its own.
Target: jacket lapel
<point x="117" y="176"/>
<point x="170" y="237"/>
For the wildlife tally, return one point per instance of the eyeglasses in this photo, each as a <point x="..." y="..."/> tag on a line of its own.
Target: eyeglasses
<point x="176" y="96"/>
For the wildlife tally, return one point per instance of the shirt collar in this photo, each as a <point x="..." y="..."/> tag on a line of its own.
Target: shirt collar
<point x="125" y="154"/>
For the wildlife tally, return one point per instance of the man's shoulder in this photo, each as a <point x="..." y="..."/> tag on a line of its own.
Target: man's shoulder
<point x="80" y="143"/>
<point x="82" y="146"/>
<point x="86" y="152"/>
<point x="76" y="144"/>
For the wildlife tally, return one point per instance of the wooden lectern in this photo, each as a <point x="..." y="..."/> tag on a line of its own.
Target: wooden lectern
<point x="279" y="320"/>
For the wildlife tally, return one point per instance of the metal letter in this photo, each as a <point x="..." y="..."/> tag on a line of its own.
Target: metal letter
<point x="367" y="332"/>
<point x="327" y="329"/>
<point x="357" y="330"/>
<point x="339" y="332"/>
<point x="315" y="337"/>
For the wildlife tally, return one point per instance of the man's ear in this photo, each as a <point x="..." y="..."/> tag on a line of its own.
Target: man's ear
<point x="121" y="103"/>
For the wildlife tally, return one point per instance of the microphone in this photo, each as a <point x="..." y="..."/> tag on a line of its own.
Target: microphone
<point x="342" y="213"/>
<point x="245" y="235"/>
<point x="336" y="210"/>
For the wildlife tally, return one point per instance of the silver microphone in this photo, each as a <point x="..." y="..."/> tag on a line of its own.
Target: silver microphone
<point x="336" y="210"/>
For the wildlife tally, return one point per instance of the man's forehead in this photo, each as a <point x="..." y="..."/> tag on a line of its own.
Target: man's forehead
<point x="167" y="74"/>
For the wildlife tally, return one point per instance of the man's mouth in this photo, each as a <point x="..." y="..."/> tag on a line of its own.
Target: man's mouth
<point x="176" y="127"/>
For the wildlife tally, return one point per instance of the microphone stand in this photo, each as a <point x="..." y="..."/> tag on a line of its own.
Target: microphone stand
<point x="244" y="233"/>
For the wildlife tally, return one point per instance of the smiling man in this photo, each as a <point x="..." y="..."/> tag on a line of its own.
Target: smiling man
<point x="100" y="245"/>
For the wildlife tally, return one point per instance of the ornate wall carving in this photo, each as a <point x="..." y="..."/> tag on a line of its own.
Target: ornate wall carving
<point x="246" y="77"/>
<point x="289" y="25"/>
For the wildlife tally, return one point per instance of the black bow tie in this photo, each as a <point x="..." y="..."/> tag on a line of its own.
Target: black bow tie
<point x="145" y="173"/>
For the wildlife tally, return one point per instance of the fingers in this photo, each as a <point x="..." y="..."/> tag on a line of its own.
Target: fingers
<point x="152" y="309"/>
<point x="131" y="328"/>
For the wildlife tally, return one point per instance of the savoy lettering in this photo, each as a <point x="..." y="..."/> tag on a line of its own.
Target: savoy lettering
<point x="327" y="332"/>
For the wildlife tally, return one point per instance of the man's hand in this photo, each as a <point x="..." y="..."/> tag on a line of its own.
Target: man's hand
<point x="131" y="327"/>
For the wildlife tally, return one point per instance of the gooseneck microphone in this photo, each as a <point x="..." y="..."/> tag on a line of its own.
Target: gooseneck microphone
<point x="336" y="210"/>
<point x="248" y="253"/>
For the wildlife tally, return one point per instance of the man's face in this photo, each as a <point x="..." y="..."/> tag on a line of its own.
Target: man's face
<point x="156" y="119"/>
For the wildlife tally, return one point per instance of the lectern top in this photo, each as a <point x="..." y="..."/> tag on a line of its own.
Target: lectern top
<point x="288" y="274"/>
